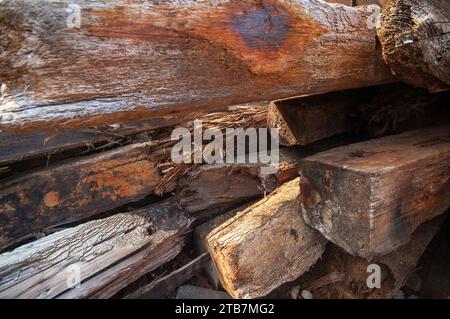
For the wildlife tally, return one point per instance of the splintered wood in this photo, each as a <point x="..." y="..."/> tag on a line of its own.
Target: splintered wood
<point x="106" y="255"/>
<point x="369" y="197"/>
<point x="265" y="245"/>
<point x="123" y="131"/>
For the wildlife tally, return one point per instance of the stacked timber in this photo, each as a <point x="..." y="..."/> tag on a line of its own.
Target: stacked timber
<point x="367" y="198"/>
<point x="94" y="205"/>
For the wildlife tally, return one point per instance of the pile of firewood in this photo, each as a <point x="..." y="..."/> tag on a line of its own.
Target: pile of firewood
<point x="92" y="203"/>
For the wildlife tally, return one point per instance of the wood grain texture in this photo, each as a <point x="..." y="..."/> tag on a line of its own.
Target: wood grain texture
<point x="265" y="245"/>
<point x="201" y="246"/>
<point x="309" y="119"/>
<point x="369" y="197"/>
<point x="74" y="190"/>
<point x="109" y="253"/>
<point x="211" y="190"/>
<point x="132" y="61"/>
<point x="82" y="187"/>
<point x="415" y="38"/>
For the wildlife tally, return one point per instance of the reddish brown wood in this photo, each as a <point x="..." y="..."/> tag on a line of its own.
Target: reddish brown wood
<point x="129" y="61"/>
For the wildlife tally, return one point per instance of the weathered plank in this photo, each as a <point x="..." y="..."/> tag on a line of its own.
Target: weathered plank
<point x="369" y="197"/>
<point x="95" y="259"/>
<point x="415" y="38"/>
<point x="128" y="61"/>
<point x="17" y="147"/>
<point x="308" y="119"/>
<point x="265" y="245"/>
<point x="80" y="188"/>
<point x="200" y="245"/>
<point x="74" y="190"/>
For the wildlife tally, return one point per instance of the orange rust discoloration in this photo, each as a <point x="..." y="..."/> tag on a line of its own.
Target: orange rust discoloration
<point x="7" y="208"/>
<point x="269" y="36"/>
<point x="123" y="180"/>
<point x="279" y="39"/>
<point x="51" y="199"/>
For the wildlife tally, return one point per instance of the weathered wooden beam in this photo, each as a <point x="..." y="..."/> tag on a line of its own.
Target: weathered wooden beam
<point x="369" y="197"/>
<point x="95" y="259"/>
<point x="128" y="61"/>
<point x="79" y="188"/>
<point x="415" y="38"/>
<point x="265" y="245"/>
<point x="308" y="119"/>
<point x="200" y="244"/>
<point x="74" y="190"/>
<point x="18" y="147"/>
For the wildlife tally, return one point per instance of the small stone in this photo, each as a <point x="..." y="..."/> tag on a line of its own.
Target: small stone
<point x="400" y="295"/>
<point x="307" y="294"/>
<point x="414" y="282"/>
<point x="295" y="291"/>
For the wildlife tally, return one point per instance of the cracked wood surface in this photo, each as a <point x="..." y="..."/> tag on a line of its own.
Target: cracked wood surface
<point x="133" y="61"/>
<point x="265" y="245"/>
<point x="75" y="189"/>
<point x="415" y="37"/>
<point x="369" y="197"/>
<point x="18" y="147"/>
<point x="108" y="254"/>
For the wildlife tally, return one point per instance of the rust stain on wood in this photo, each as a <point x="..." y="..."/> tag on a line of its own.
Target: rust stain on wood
<point x="268" y="36"/>
<point x="119" y="179"/>
<point x="51" y="199"/>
